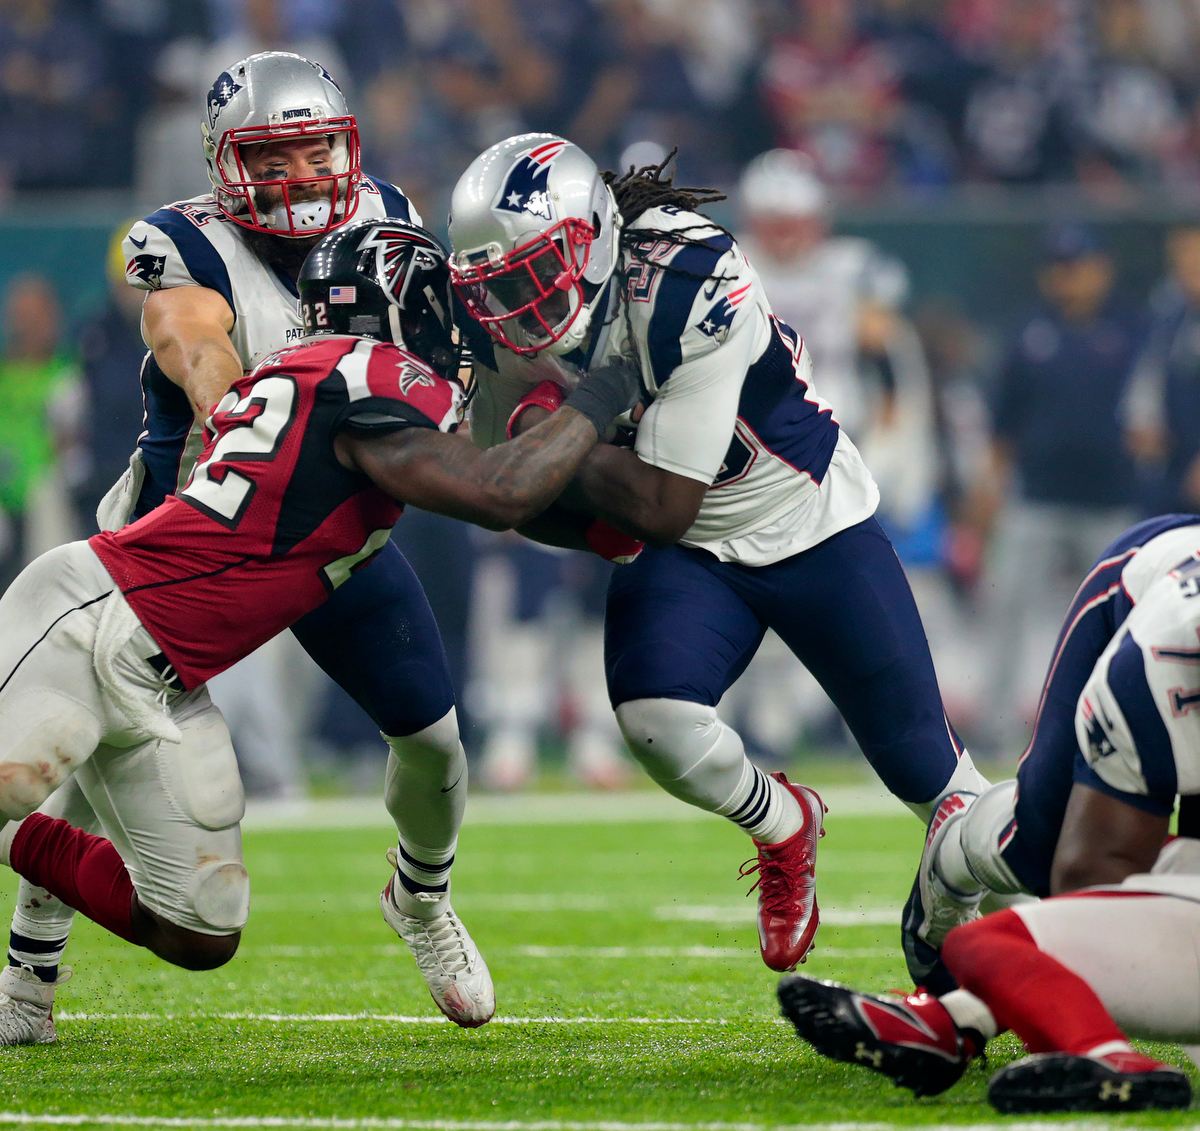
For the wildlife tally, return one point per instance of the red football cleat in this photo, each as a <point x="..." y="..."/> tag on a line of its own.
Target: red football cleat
<point x="911" y="1039"/>
<point x="787" y="885"/>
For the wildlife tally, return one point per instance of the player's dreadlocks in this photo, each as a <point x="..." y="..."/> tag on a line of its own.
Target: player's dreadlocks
<point x="637" y="191"/>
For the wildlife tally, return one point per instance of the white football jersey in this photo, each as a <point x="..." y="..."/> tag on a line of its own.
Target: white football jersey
<point x="734" y="405"/>
<point x="1138" y="718"/>
<point x="191" y="244"/>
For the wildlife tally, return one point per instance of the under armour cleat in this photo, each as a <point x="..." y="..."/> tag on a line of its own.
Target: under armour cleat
<point x="787" y="885"/>
<point x="457" y="976"/>
<point x="913" y="1040"/>
<point x="26" y="1003"/>
<point x="934" y="909"/>
<point x="1058" y="1081"/>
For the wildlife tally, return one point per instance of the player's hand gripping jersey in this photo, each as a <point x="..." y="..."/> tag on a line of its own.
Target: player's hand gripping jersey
<point x="269" y="522"/>
<point x="733" y="399"/>
<point x="191" y="244"/>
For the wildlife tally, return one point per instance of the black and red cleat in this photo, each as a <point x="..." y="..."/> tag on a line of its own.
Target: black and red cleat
<point x="911" y="1039"/>
<point x="1058" y="1081"/>
<point x="787" y="885"/>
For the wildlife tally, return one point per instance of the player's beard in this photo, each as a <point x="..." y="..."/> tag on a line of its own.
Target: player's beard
<point x="284" y="252"/>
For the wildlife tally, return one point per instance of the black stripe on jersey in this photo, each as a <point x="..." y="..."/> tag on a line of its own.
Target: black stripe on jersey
<point x="49" y="629"/>
<point x="202" y="260"/>
<point x="399" y="414"/>
<point x="319" y="484"/>
<point x="673" y="304"/>
<point x="395" y="203"/>
<point x="191" y="576"/>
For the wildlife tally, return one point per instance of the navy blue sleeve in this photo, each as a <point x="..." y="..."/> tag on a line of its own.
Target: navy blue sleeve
<point x="395" y="203"/>
<point x="202" y="260"/>
<point x="682" y="279"/>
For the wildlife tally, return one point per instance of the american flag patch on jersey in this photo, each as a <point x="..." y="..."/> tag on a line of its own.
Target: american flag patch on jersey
<point x="342" y="294"/>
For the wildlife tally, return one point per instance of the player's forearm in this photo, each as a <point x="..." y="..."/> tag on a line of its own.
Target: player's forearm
<point x="520" y="479"/>
<point x="616" y="485"/>
<point x="203" y="367"/>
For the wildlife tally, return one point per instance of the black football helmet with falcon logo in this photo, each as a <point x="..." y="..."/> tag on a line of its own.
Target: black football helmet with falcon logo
<point x="388" y="280"/>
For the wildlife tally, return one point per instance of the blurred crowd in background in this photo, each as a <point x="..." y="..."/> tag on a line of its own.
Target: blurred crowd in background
<point x="1008" y="455"/>
<point x="916" y="93"/>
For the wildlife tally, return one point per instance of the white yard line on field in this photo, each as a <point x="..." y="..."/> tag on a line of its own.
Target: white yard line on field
<point x="544" y="809"/>
<point x="317" y="1123"/>
<point x="402" y="1019"/>
<point x="722" y="913"/>
<point x="704" y="952"/>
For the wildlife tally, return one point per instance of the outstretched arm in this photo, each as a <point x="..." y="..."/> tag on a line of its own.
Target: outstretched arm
<point x="500" y="488"/>
<point x="188" y="329"/>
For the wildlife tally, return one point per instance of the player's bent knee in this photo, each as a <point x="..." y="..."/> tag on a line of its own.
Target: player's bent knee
<point x="220" y="896"/>
<point x="981" y="833"/>
<point x="680" y="744"/>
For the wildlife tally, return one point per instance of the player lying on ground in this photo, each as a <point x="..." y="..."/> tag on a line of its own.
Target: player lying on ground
<point x="220" y="274"/>
<point x="1116" y="738"/>
<point x="105" y="645"/>
<point x="1069" y="975"/>
<point x="756" y="509"/>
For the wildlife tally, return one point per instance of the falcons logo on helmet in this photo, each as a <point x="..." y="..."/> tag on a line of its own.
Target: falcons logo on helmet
<point x="395" y="268"/>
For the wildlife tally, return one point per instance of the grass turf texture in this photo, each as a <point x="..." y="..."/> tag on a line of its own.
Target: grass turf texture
<point x="617" y="921"/>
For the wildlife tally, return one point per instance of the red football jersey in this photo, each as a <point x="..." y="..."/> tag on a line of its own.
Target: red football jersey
<point x="270" y="523"/>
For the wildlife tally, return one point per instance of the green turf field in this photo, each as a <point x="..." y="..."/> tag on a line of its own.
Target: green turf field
<point x="629" y="986"/>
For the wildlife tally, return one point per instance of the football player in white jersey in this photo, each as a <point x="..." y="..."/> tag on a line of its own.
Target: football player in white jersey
<point x="756" y="509"/>
<point x="1115" y="741"/>
<point x="220" y="271"/>
<point x="1116" y="949"/>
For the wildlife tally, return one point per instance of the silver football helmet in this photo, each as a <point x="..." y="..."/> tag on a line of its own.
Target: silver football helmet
<point x="534" y="231"/>
<point x="277" y="96"/>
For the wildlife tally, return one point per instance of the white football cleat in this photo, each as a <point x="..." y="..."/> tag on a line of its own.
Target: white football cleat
<point x="457" y="976"/>
<point x="944" y="907"/>
<point x="25" y="1006"/>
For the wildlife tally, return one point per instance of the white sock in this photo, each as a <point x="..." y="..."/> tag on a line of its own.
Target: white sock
<point x="969" y="1012"/>
<point x="763" y="807"/>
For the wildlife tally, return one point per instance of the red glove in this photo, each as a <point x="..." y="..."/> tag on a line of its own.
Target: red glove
<point x="546" y="395"/>
<point x="611" y="544"/>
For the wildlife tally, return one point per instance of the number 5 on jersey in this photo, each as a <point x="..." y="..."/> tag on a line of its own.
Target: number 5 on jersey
<point x="250" y="429"/>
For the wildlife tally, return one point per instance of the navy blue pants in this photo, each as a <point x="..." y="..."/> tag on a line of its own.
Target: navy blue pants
<point x="1052" y="761"/>
<point x="377" y="638"/>
<point x="683" y="625"/>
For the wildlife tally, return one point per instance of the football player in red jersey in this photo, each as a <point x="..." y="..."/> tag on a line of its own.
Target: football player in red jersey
<point x="105" y="645"/>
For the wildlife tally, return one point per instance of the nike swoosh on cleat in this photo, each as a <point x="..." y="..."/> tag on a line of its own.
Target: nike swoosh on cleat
<point x="139" y="243"/>
<point x="450" y="787"/>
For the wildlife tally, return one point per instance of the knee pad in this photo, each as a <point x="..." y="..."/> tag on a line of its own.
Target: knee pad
<point x="438" y="740"/>
<point x="434" y="756"/>
<point x="683" y="746"/>
<point x="980" y="831"/>
<point x="219" y="894"/>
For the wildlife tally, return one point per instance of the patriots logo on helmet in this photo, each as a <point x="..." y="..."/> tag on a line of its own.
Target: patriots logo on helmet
<point x="220" y="94"/>
<point x="525" y="188"/>
<point x="148" y="268"/>
<point x="716" y="323"/>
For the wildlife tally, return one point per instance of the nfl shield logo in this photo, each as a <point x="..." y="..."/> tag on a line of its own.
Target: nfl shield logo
<point x="342" y="294"/>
